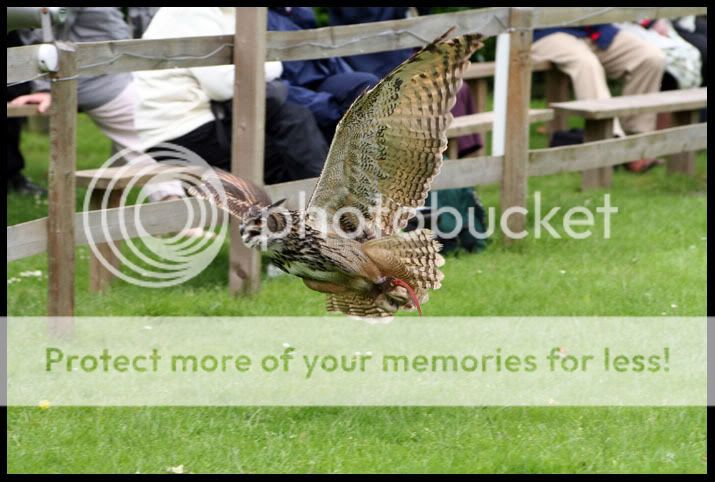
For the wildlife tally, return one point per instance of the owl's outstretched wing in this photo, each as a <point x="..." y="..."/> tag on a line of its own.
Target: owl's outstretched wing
<point x="234" y="194"/>
<point x="388" y="147"/>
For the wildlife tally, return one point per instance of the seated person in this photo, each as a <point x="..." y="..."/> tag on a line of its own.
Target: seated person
<point x="682" y="60"/>
<point x="327" y="87"/>
<point x="16" y="180"/>
<point x="177" y="105"/>
<point x="694" y="30"/>
<point x="107" y="99"/>
<point x="589" y="54"/>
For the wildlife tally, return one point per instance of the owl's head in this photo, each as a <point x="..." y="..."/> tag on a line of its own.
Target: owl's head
<point x="265" y="226"/>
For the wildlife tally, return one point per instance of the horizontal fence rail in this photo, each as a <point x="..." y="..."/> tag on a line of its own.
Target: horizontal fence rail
<point x="158" y="218"/>
<point x="97" y="58"/>
<point x="580" y="157"/>
<point x="381" y="36"/>
<point x="30" y="238"/>
<point x="22" y="64"/>
<point x="577" y="16"/>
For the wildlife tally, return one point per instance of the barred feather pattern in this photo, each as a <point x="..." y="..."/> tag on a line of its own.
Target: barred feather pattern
<point x="413" y="257"/>
<point x="240" y="196"/>
<point x="389" y="145"/>
<point x="355" y="304"/>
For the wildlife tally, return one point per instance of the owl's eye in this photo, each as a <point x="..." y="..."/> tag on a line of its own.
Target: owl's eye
<point x="275" y="223"/>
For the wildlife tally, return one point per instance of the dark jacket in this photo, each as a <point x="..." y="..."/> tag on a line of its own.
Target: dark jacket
<point x="602" y="34"/>
<point x="303" y="73"/>
<point x="378" y="63"/>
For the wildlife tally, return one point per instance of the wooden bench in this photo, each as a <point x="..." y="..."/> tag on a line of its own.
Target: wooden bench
<point x="556" y="85"/>
<point x="599" y="115"/>
<point x="482" y="122"/>
<point x="29" y="110"/>
<point x="109" y="183"/>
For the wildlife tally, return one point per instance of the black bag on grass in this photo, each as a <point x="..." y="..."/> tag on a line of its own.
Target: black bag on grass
<point x="461" y="200"/>
<point x="566" y="138"/>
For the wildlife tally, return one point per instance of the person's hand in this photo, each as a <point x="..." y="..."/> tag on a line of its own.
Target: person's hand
<point x="661" y="26"/>
<point x="42" y="99"/>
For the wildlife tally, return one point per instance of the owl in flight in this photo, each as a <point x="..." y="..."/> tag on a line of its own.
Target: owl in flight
<point x="387" y="149"/>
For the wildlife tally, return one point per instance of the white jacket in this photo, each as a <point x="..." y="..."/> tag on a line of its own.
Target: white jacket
<point x="174" y="102"/>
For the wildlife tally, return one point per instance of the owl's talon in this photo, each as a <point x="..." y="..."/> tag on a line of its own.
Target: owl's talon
<point x="410" y="291"/>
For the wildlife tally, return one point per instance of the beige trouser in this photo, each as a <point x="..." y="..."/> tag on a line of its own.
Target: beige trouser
<point x="638" y="62"/>
<point x="116" y="120"/>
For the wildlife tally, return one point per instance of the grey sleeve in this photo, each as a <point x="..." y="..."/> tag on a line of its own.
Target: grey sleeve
<point x="88" y="24"/>
<point x="41" y="85"/>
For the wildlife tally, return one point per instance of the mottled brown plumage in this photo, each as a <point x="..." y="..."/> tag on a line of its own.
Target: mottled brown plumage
<point x="236" y="195"/>
<point x="387" y="149"/>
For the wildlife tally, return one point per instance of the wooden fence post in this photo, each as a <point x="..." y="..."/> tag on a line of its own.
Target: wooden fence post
<point x="61" y="184"/>
<point x="249" y="94"/>
<point x="683" y="162"/>
<point x="514" y="190"/>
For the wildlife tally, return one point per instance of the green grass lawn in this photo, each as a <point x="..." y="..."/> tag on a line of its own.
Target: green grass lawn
<point x="655" y="259"/>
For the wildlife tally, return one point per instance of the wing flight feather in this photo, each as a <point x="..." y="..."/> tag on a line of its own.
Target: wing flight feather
<point x="389" y="145"/>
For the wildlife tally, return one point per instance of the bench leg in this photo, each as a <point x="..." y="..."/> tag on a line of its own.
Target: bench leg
<point x="99" y="276"/>
<point x="683" y="162"/>
<point x="663" y="121"/>
<point x="596" y="130"/>
<point x="452" y="148"/>
<point x="479" y="88"/>
<point x="556" y="84"/>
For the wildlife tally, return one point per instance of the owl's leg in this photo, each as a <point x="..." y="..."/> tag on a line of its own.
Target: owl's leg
<point x="389" y="283"/>
<point x="325" y="286"/>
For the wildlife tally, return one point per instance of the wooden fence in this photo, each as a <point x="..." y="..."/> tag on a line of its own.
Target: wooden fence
<point x="58" y="234"/>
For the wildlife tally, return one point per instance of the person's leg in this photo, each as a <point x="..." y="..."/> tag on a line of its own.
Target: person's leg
<point x="202" y="141"/>
<point x="574" y="57"/>
<point x="641" y="65"/>
<point x="16" y="180"/>
<point x="294" y="145"/>
<point x="116" y="120"/>
<point x="15" y="161"/>
<point x="464" y="105"/>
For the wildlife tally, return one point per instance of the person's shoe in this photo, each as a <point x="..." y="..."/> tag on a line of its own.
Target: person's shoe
<point x="642" y="165"/>
<point x="22" y="185"/>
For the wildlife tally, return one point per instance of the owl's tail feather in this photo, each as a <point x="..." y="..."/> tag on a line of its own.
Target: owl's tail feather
<point x="412" y="257"/>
